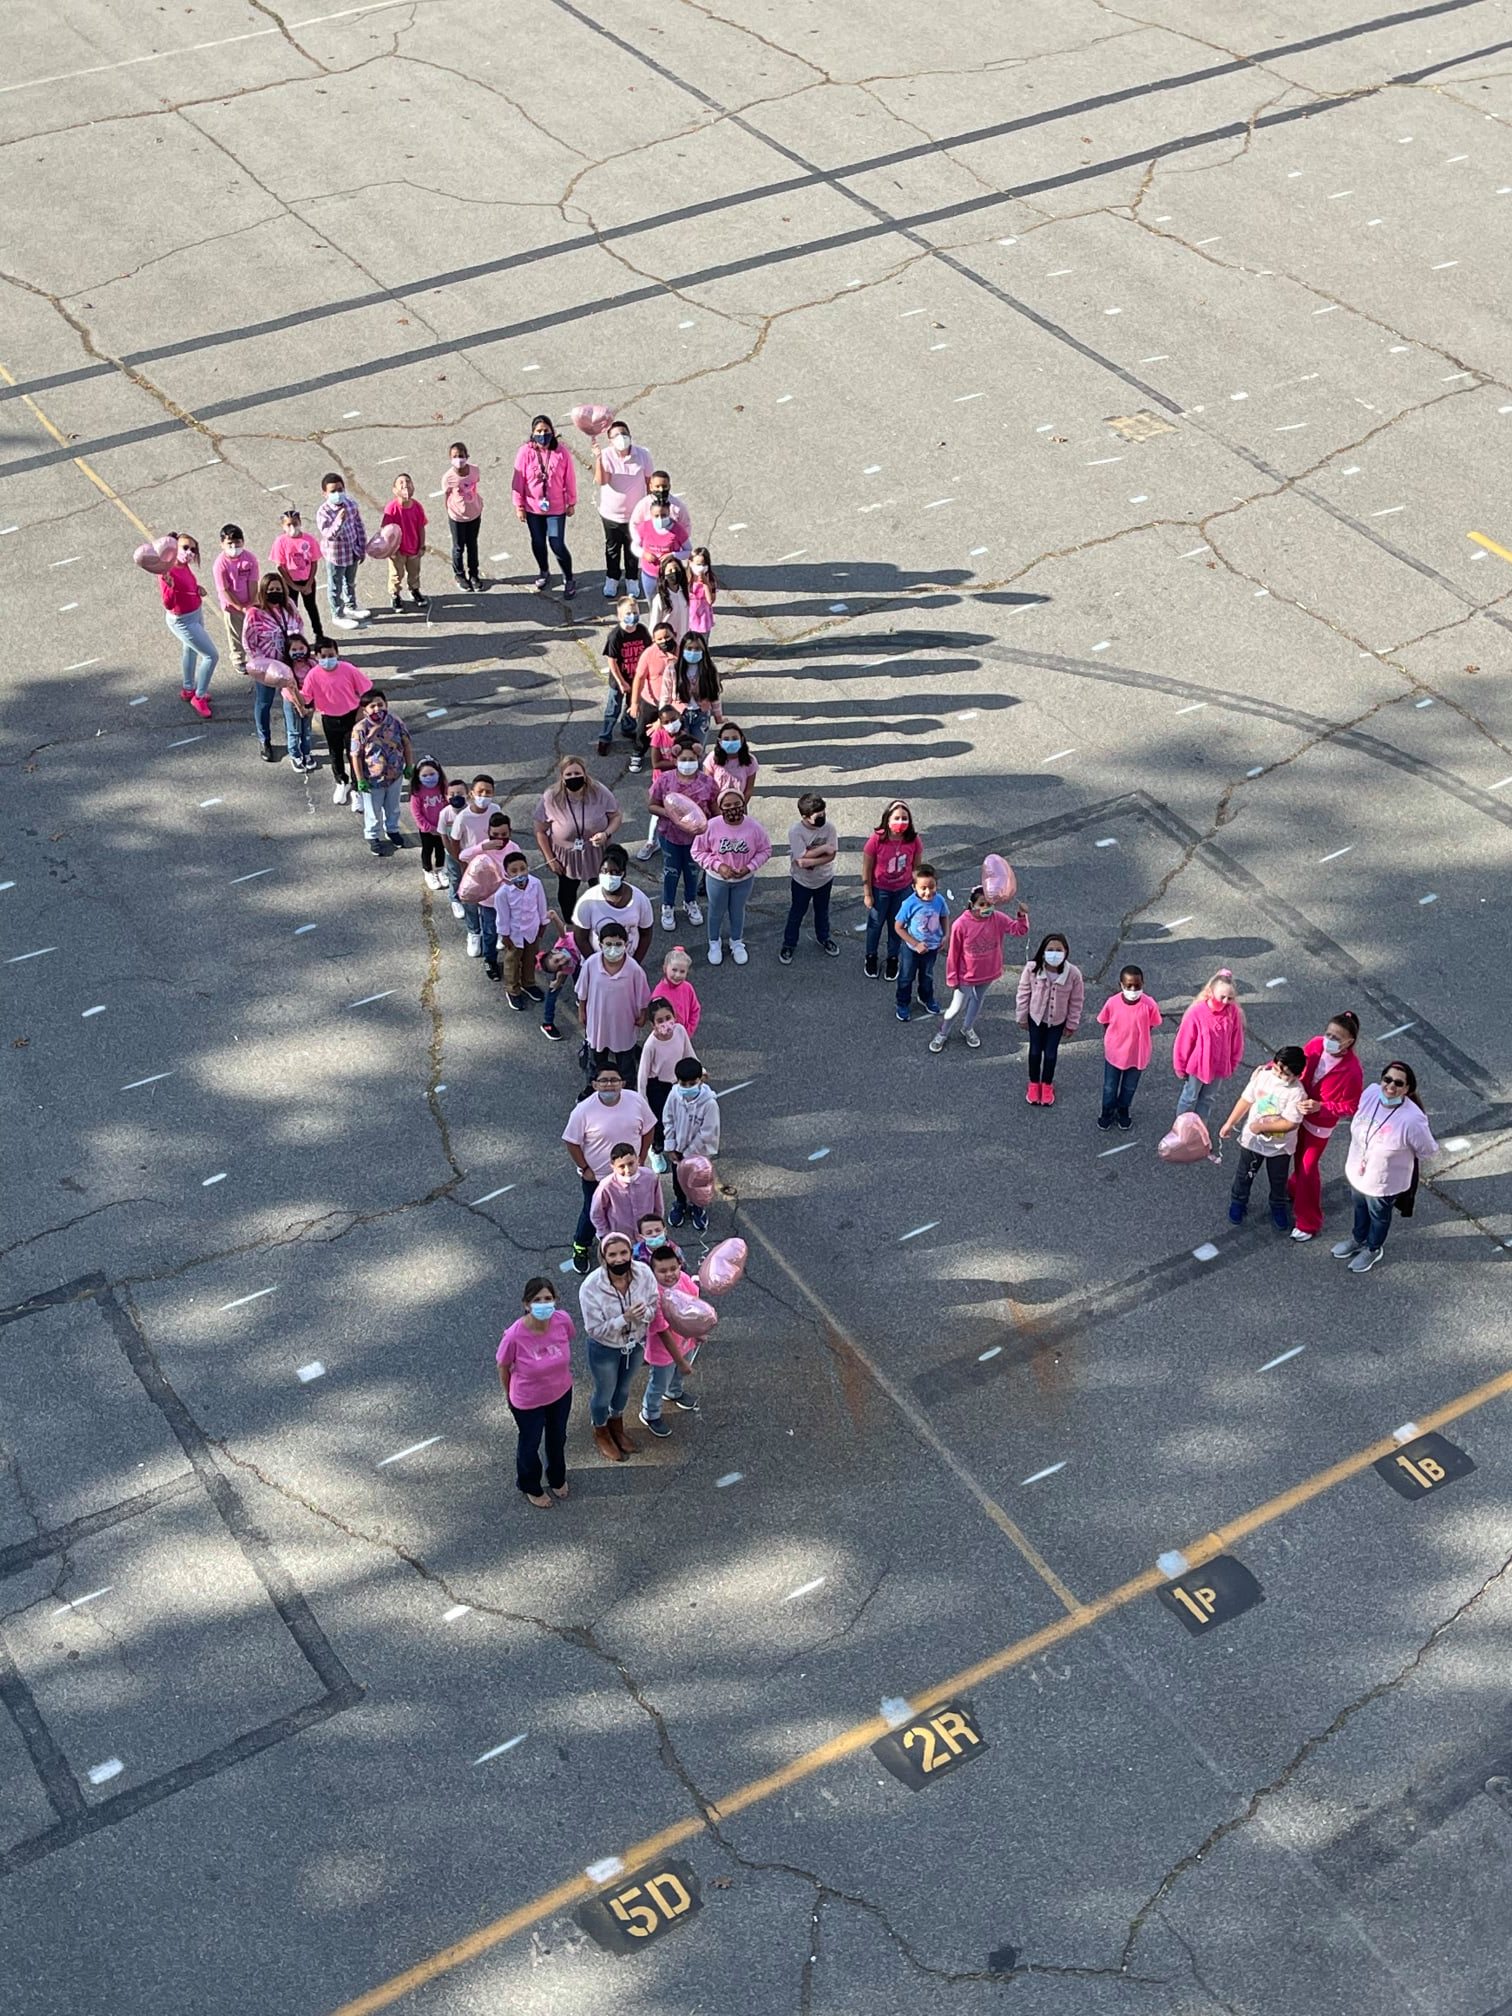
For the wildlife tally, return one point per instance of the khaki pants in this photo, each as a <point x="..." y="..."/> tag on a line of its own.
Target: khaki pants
<point x="519" y="965"/>
<point x="233" y="620"/>
<point x="404" y="567"/>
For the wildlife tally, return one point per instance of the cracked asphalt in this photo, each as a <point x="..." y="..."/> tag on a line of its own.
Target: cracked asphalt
<point x="1087" y="411"/>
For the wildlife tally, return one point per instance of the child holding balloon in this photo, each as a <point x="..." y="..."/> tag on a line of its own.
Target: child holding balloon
<point x="690" y="1127"/>
<point x="669" y="1354"/>
<point x="974" y="950"/>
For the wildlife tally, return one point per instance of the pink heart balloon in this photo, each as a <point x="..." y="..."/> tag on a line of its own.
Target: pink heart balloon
<point x="592" y="419"/>
<point x="384" y="543"/>
<point x="149" y="558"/>
<point x="722" y="1267"/>
<point x="686" y="1314"/>
<point x="999" y="883"/>
<point x="688" y="815"/>
<point x="695" y="1175"/>
<point x="1188" y="1140"/>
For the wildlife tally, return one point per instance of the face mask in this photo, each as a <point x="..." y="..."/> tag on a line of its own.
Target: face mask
<point x="519" y="881"/>
<point x="1131" y="994"/>
<point x="335" y="496"/>
<point x="1333" y="1046"/>
<point x="427" y="777"/>
<point x="660" y="500"/>
<point x="815" y="819"/>
<point x="574" y="783"/>
<point x="628" y="623"/>
<point x="690" y="1091"/>
<point x="459" y="799"/>
<point x="1221" y="1002"/>
<point x="543" y="1311"/>
<point x="275" y="601"/>
<point x="541" y="440"/>
<point x="1055" y="957"/>
<point x="609" y="883"/>
<point x="614" y="954"/>
<point x="619" y="1266"/>
<point x="330" y="666"/>
<point x="609" y="1098"/>
<point x="233" y="548"/>
<point x="459" y="461"/>
<point x="732" y="814"/>
<point x="730" y="748"/>
<point x="661" y="521"/>
<point x="1392" y="1098"/>
<point x="898" y="826"/>
<point x="687" y="766"/>
<point x="699" y="567"/>
<point x="694" y="658"/>
<point x="620" y="443"/>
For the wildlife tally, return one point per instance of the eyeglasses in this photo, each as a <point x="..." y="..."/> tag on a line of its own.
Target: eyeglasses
<point x="1394" y="1081"/>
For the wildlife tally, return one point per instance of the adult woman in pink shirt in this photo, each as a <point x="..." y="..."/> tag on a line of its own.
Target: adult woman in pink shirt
<point x="1209" y="1043"/>
<point x="730" y="850"/>
<point x="535" y="1369"/>
<point x="545" y="495"/>
<point x="182" y="601"/>
<point x="1388" y="1136"/>
<point x="1334" y="1079"/>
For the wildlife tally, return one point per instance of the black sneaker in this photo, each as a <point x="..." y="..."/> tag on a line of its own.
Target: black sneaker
<point x="397" y="606"/>
<point x="582" y="1260"/>
<point x="517" y="1002"/>
<point x="376" y="847"/>
<point x="1126" y="1121"/>
<point x="551" y="1032"/>
<point x="1105" y="1121"/>
<point x="534" y="994"/>
<point x="685" y="1404"/>
<point x="872" y="968"/>
<point x="569" y="586"/>
<point x="493" y="969"/>
<point x="420" y="601"/>
<point x="829" y="945"/>
<point x="700" y="1219"/>
<point x="398" y="839"/>
<point x="658" y="1427"/>
<point x="602" y="748"/>
<point x="475" y="584"/>
<point x="267" y="752"/>
<point x="890" y="970"/>
<point x="460" y="579"/>
<point x="785" y="954"/>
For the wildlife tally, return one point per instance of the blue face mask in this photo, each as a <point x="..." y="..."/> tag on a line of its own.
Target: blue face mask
<point x="690" y="1091"/>
<point x="696" y="658"/>
<point x="1392" y="1098"/>
<point x="543" y="1311"/>
<point x="729" y="748"/>
<point x="609" y="1098"/>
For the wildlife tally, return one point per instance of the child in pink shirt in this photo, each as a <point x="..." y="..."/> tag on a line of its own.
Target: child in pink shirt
<point x="428" y="796"/>
<point x="559" y="970"/>
<point x="404" y="510"/>
<point x="974" y="962"/>
<point x="669" y="1355"/>
<point x="676" y="986"/>
<point x="1127" y="1018"/>
<point x="703" y="592"/>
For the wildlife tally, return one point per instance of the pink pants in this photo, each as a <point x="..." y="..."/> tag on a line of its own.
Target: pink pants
<point x="1305" y="1187"/>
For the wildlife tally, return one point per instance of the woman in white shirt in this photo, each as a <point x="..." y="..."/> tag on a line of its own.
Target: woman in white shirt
<point x="1388" y="1137"/>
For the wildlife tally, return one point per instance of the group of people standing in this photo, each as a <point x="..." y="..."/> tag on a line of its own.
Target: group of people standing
<point x="645" y="1110"/>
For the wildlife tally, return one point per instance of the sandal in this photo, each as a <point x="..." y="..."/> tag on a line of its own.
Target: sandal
<point x="557" y="1490"/>
<point x="543" y="1503"/>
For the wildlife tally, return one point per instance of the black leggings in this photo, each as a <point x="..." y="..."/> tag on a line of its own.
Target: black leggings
<point x="567" y="895"/>
<point x="338" y="734"/>
<point x="432" y="851"/>
<point x="619" y="561"/>
<point x="1044" y="1042"/>
<point x="312" y="610"/>
<point x="464" y="533"/>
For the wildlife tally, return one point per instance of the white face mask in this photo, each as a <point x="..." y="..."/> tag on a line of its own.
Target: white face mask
<point x="614" y="954"/>
<point x="609" y="883"/>
<point x="687" y="767"/>
<point x="459" y="461"/>
<point x="1131" y="994"/>
<point x="699" y="567"/>
<point x="1054" y="956"/>
<point x="1333" y="1046"/>
<point x="620" y="443"/>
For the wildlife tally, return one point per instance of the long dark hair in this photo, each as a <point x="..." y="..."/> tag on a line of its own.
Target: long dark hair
<point x="706" y="685"/>
<point x="680" y="585"/>
<point x="1051" y="938"/>
<point x="896" y="805"/>
<point x="729" y="728"/>
<point x="545" y="420"/>
<point x="710" y="579"/>
<point x="430" y="762"/>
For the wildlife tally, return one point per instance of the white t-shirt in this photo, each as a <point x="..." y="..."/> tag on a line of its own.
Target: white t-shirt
<point x="1272" y="1098"/>
<point x="594" y="908"/>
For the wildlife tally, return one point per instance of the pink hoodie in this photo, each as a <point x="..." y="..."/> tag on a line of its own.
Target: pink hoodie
<point x="974" y="952"/>
<point x="1209" y="1044"/>
<point x="544" y="481"/>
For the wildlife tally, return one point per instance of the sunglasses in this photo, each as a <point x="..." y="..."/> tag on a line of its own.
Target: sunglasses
<point x="1395" y="1081"/>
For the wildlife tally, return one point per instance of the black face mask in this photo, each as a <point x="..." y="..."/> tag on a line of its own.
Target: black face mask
<point x="574" y="783"/>
<point x="619" y="1266"/>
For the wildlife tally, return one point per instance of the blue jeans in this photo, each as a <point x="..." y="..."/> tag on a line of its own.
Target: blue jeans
<point x="611" y="1370"/>
<point x="296" y="729"/>
<point x="616" y="704"/>
<point x="886" y="903"/>
<point x="1118" y="1089"/>
<point x="1196" y="1097"/>
<point x="484" y="919"/>
<point x="798" y="910"/>
<point x="727" y="900"/>
<point x="583" y="1234"/>
<point x="1372" y="1219"/>
<point x="917" y="966"/>
<point x="380" y="809"/>
<point x="664" y="1383"/>
<point x="549" y="531"/>
<point x="198" y="655"/>
<point x="677" y="864"/>
<point x="262" y="710"/>
<point x="341" y="585"/>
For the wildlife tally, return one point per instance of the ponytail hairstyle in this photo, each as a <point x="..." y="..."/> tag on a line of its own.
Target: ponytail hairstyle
<point x="1347" y="1020"/>
<point x="1206" y="994"/>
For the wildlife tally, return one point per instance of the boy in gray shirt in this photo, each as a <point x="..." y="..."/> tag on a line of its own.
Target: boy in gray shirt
<point x="813" y="844"/>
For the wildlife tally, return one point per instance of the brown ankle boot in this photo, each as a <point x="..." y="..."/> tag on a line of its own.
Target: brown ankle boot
<point x="622" y="1441"/>
<point x="606" y="1445"/>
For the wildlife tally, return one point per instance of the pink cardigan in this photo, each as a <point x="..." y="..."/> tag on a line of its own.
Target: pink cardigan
<point x="1208" y="1045"/>
<point x="544" y="481"/>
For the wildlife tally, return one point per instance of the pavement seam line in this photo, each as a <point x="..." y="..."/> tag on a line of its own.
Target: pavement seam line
<point x="78" y="460"/>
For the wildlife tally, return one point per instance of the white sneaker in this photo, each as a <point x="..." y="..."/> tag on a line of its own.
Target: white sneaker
<point x="1345" y="1250"/>
<point x="716" y="955"/>
<point x="611" y="589"/>
<point x="343" y="623"/>
<point x="356" y="802"/>
<point x="1365" y="1259"/>
<point x="475" y="945"/>
<point x="695" y="915"/>
<point x="738" y="952"/>
<point x="647" y="852"/>
<point x="668" y="918"/>
<point x="458" y="910"/>
<point x="1301" y="1237"/>
<point x="341" y="793"/>
<point x="937" y="1043"/>
<point x="362" y="615"/>
<point x="973" y="1041"/>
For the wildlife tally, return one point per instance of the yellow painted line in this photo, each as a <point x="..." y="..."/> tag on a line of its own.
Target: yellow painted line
<point x="863" y="1734"/>
<point x="1489" y="544"/>
<point x="78" y="460"/>
<point x="917" y="1420"/>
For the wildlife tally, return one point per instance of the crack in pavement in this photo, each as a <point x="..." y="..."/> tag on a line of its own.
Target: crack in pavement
<point x="1294" y="1763"/>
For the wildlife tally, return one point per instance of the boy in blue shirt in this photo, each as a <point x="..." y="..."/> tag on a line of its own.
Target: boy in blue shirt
<point x="920" y="924"/>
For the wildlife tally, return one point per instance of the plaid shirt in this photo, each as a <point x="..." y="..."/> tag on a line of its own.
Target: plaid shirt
<point x="378" y="749"/>
<point x="343" y="536"/>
